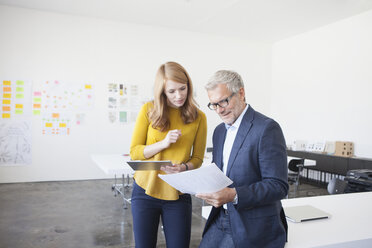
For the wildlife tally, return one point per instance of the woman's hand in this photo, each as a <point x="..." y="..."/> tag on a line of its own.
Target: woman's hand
<point x="176" y="168"/>
<point x="172" y="137"/>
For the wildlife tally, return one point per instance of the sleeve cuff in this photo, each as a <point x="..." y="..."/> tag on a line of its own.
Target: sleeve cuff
<point x="235" y="201"/>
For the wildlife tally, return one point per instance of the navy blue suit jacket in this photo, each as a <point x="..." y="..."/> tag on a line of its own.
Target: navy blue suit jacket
<point x="258" y="168"/>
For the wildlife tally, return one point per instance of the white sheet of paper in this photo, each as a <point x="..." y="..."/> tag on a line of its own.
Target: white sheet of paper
<point x="206" y="179"/>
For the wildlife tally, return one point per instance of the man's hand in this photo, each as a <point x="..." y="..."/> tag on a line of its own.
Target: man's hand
<point x="217" y="199"/>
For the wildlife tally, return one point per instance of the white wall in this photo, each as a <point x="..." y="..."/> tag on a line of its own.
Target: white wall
<point x="322" y="84"/>
<point x="42" y="46"/>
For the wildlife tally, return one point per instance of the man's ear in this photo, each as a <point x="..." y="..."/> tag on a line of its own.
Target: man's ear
<point x="242" y="94"/>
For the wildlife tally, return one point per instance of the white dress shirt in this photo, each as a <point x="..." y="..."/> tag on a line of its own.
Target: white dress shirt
<point x="231" y="132"/>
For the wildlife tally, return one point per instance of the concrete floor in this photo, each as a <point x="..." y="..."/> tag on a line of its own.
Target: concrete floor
<point x="79" y="214"/>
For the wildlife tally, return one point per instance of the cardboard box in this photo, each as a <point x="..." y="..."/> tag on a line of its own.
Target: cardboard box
<point x="344" y="149"/>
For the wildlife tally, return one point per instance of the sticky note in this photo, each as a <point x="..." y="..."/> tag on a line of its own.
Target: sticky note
<point x="37" y="105"/>
<point x="5" y="95"/>
<point x="20" y="82"/>
<point x="48" y="124"/>
<point x="6" y="82"/>
<point x="55" y="115"/>
<point x="6" y="115"/>
<point x="37" y="99"/>
<point x="19" y="96"/>
<point x="88" y="86"/>
<point x="6" y="108"/>
<point x="6" y="101"/>
<point x="19" y="111"/>
<point x="19" y="89"/>
<point x="36" y="112"/>
<point x="19" y="106"/>
<point x="37" y="93"/>
<point x="7" y="89"/>
<point x="62" y="124"/>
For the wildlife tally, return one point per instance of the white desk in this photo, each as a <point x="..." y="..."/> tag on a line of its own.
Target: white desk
<point x="115" y="164"/>
<point x="349" y="226"/>
<point x="351" y="220"/>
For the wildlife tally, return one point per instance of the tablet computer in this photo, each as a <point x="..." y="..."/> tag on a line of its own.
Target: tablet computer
<point x="304" y="213"/>
<point x="148" y="165"/>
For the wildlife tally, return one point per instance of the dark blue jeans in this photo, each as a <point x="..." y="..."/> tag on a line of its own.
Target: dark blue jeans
<point x="218" y="234"/>
<point x="175" y="216"/>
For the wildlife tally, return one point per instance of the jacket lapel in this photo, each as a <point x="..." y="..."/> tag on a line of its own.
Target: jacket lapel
<point x="219" y="149"/>
<point x="243" y="131"/>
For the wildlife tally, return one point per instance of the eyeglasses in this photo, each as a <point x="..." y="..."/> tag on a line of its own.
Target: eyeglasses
<point x="222" y="104"/>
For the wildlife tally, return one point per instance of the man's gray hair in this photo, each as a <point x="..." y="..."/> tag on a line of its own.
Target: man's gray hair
<point x="232" y="80"/>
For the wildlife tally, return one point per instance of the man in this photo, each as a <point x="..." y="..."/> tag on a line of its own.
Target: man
<point x="250" y="149"/>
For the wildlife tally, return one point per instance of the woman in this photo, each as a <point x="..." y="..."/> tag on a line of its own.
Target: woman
<point x="169" y="128"/>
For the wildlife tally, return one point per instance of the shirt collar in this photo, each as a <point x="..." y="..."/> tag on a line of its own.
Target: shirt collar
<point x="236" y="124"/>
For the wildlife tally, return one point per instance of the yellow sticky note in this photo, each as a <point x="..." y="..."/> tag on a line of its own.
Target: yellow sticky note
<point x="6" y="101"/>
<point x="48" y="124"/>
<point x="88" y="86"/>
<point x="19" y="111"/>
<point x="6" y="115"/>
<point x="6" y="108"/>
<point x="19" y="96"/>
<point x="19" y="89"/>
<point x="55" y="115"/>
<point x="19" y="106"/>
<point x="5" y="95"/>
<point x="62" y="124"/>
<point x="6" y="82"/>
<point x="7" y="89"/>
<point x="36" y="112"/>
<point x="20" y="82"/>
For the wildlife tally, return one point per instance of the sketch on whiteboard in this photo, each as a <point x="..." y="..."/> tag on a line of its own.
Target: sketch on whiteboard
<point x="15" y="143"/>
<point x="124" y="102"/>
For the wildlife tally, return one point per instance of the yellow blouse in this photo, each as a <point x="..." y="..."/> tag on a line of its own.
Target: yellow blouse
<point x="189" y="147"/>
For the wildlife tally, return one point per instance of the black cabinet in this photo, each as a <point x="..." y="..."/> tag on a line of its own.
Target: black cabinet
<point x="333" y="164"/>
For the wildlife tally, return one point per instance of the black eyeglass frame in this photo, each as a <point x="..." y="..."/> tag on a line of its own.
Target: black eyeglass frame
<point x="222" y="104"/>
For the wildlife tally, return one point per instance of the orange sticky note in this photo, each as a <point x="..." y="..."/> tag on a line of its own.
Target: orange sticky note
<point x="55" y="115"/>
<point x="36" y="105"/>
<point x="7" y="89"/>
<point x="6" y="115"/>
<point x="19" y="106"/>
<point x="6" y="108"/>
